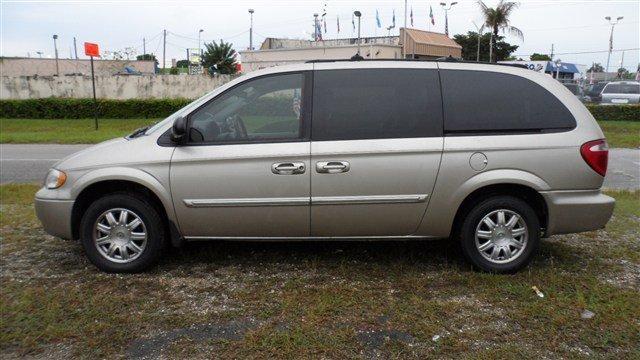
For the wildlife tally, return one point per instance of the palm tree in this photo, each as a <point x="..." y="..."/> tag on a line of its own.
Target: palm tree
<point x="498" y="19"/>
<point x="221" y="55"/>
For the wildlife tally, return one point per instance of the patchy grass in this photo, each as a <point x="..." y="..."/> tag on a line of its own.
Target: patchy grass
<point x="320" y="299"/>
<point x="621" y="134"/>
<point x="67" y="131"/>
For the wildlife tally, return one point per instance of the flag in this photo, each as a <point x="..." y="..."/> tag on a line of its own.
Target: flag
<point x="411" y="16"/>
<point x="433" y="22"/>
<point x="338" y="23"/>
<point x="353" y="22"/>
<point x="393" y="19"/>
<point x="378" y="23"/>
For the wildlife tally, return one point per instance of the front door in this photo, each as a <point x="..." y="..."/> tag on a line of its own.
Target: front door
<point x="245" y="171"/>
<point x="376" y="149"/>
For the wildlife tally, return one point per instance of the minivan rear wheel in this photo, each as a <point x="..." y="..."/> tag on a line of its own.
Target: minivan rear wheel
<point x="500" y="234"/>
<point x="122" y="233"/>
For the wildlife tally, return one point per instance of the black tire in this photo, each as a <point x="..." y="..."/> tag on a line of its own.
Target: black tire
<point x="151" y="219"/>
<point x="467" y="234"/>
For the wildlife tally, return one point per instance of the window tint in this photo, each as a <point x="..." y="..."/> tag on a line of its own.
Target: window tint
<point x="613" y="88"/>
<point x="263" y="109"/>
<point x="375" y="104"/>
<point x="482" y="101"/>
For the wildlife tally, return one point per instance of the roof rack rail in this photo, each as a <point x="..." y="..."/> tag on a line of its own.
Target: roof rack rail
<point x="442" y="59"/>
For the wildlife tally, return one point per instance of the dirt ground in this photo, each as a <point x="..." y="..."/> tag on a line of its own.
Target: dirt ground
<point x="320" y="299"/>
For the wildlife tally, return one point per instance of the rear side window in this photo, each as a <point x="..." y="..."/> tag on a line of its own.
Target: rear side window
<point x="613" y="88"/>
<point x="376" y="104"/>
<point x="488" y="102"/>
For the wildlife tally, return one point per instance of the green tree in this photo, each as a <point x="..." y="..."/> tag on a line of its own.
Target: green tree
<point x="539" y="57"/>
<point x="182" y="63"/>
<point x="596" y="67"/>
<point x="469" y="43"/>
<point x="221" y="55"/>
<point x="147" y="57"/>
<point x="498" y="19"/>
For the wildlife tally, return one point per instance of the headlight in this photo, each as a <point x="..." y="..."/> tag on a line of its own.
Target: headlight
<point x="55" y="179"/>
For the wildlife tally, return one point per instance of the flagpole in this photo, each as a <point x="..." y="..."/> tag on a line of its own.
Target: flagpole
<point x="404" y="32"/>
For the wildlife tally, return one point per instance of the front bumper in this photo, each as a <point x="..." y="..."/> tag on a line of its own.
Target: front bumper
<point x="55" y="216"/>
<point x="577" y="211"/>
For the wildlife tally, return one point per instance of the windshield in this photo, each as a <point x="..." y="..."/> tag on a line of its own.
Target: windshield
<point x="622" y="89"/>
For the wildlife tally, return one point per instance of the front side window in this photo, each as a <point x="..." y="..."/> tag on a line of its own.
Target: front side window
<point x="376" y="104"/>
<point x="259" y="110"/>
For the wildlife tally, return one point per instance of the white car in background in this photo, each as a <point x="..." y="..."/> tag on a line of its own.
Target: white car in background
<point x="621" y="92"/>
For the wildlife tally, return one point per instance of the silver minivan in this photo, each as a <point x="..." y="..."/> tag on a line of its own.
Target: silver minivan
<point x="621" y="92"/>
<point x="491" y="156"/>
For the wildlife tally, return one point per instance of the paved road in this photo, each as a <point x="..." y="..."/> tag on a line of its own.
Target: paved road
<point x="22" y="163"/>
<point x="30" y="162"/>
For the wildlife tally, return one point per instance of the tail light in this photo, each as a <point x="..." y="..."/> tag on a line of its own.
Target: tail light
<point x="596" y="154"/>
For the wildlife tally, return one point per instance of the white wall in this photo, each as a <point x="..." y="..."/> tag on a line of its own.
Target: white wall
<point x="110" y="87"/>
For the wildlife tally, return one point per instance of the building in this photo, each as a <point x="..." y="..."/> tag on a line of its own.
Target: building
<point x="413" y="43"/>
<point x="19" y="66"/>
<point x="562" y="71"/>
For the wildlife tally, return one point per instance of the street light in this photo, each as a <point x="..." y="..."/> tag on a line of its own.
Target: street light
<point x="358" y="14"/>
<point x="199" y="46"/>
<point x="55" y="48"/>
<point x="446" y="15"/>
<point x="251" y="30"/>
<point x="613" y="24"/>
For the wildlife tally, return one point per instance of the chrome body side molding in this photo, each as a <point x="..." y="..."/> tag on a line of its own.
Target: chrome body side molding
<point x="316" y="200"/>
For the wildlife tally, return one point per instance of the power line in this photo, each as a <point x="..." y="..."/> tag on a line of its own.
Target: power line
<point x="585" y="52"/>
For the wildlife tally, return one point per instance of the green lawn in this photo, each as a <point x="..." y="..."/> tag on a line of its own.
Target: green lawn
<point x="406" y="299"/>
<point x="77" y="131"/>
<point x="621" y="134"/>
<point x="66" y="131"/>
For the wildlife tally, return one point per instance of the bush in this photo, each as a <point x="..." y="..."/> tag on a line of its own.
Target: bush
<point x="56" y="108"/>
<point x="615" y="112"/>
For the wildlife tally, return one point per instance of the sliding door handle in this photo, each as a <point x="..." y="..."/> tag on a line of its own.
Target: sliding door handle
<point x="288" y="168"/>
<point x="332" y="167"/>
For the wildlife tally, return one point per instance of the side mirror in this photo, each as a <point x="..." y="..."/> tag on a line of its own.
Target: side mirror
<point x="179" y="130"/>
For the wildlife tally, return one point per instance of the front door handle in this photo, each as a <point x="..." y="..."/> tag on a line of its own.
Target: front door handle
<point x="288" y="168"/>
<point x="332" y="167"/>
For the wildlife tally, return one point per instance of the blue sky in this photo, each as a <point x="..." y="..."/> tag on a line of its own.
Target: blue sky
<point x="576" y="28"/>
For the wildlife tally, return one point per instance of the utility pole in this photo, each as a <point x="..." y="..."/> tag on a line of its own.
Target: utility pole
<point x="55" y="48"/>
<point x="446" y="15"/>
<point x="164" y="49"/>
<point x="199" y="46"/>
<point x="613" y="24"/>
<point x="144" y="46"/>
<point x="251" y="29"/>
<point x="479" y="29"/>
<point x="551" y="55"/>
<point x="75" y="47"/>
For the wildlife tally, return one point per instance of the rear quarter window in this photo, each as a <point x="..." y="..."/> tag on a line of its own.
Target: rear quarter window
<point x="490" y="102"/>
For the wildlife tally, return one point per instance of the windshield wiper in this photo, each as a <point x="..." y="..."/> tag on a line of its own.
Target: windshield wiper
<point x="138" y="132"/>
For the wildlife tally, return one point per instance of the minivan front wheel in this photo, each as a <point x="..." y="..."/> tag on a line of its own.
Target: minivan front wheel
<point x="500" y="234"/>
<point x="122" y="233"/>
